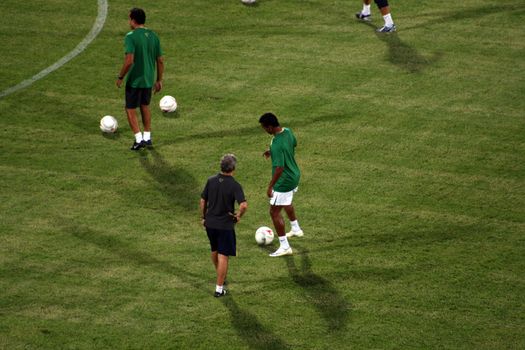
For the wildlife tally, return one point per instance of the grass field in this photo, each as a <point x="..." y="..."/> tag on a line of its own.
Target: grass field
<point x="412" y="199"/>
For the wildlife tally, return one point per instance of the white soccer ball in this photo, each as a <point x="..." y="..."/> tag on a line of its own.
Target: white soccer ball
<point x="108" y="124"/>
<point x="248" y="2"/>
<point x="168" y="104"/>
<point x="264" y="235"/>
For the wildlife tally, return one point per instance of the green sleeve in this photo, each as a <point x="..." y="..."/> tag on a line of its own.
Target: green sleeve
<point x="128" y="44"/>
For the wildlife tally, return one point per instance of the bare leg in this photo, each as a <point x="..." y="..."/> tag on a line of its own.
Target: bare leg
<point x="384" y="10"/>
<point x="132" y="120"/>
<point x="290" y="211"/>
<point x="146" y="117"/>
<point x="277" y="218"/>
<point x="222" y="268"/>
<point x="214" y="259"/>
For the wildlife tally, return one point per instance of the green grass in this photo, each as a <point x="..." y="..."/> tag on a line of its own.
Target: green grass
<point x="412" y="148"/>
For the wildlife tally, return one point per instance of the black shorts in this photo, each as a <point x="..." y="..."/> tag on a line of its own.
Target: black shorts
<point x="136" y="97"/>
<point x="381" y="3"/>
<point x="222" y="241"/>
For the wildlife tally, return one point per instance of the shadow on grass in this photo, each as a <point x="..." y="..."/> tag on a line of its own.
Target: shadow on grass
<point x="321" y="293"/>
<point x="408" y="58"/>
<point x="403" y="55"/>
<point x="254" y="129"/>
<point x="128" y="253"/>
<point x="247" y="325"/>
<point x="471" y="13"/>
<point x="177" y="184"/>
<point x="250" y="329"/>
<point x="111" y="136"/>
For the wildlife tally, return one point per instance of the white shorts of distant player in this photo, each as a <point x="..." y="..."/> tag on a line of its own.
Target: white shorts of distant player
<point x="282" y="198"/>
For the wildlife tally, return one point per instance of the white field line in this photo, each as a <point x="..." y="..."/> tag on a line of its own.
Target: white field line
<point x="97" y="27"/>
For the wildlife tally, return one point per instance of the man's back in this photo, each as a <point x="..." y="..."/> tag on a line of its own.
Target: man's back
<point x="221" y="192"/>
<point x="144" y="44"/>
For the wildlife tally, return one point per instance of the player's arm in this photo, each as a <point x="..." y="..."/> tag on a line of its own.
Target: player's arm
<point x="160" y="73"/>
<point x="243" y="206"/>
<point x="204" y="207"/>
<point x="278" y="172"/>
<point x="128" y="62"/>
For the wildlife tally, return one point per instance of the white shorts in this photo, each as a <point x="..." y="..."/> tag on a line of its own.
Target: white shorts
<point x="282" y="198"/>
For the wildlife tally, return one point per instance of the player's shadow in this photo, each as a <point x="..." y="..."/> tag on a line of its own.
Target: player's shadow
<point x="470" y="13"/>
<point x="246" y="324"/>
<point x="403" y="55"/>
<point x="250" y="329"/>
<point x="178" y="185"/>
<point x="330" y="304"/>
<point x="128" y="253"/>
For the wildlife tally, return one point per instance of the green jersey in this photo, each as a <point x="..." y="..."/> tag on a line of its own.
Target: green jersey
<point x="282" y="150"/>
<point x="145" y="47"/>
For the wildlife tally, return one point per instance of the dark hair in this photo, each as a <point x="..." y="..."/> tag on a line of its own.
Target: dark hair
<point x="138" y="15"/>
<point x="268" y="119"/>
<point x="228" y="163"/>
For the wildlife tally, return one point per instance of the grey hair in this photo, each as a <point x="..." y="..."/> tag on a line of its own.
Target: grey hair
<point x="228" y="163"/>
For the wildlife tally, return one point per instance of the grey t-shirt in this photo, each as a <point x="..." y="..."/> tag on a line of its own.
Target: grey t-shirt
<point x="221" y="192"/>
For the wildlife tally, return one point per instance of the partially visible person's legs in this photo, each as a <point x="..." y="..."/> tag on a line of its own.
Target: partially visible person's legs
<point x="384" y="8"/>
<point x="365" y="13"/>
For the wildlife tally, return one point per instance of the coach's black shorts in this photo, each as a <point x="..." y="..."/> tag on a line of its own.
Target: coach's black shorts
<point x="222" y="241"/>
<point x="136" y="97"/>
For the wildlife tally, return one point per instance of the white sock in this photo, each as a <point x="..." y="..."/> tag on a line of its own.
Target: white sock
<point x="218" y="288"/>
<point x="147" y="135"/>
<point x="284" y="242"/>
<point x="295" y="225"/>
<point x="366" y="9"/>
<point x="388" y="20"/>
<point x="138" y="137"/>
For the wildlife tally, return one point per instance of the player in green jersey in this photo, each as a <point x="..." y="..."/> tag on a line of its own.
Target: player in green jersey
<point x="284" y="182"/>
<point x="143" y="53"/>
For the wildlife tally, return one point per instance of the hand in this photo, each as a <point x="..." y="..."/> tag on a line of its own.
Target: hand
<point x="157" y="87"/>
<point x="266" y="154"/>
<point x="203" y="222"/>
<point x="119" y="82"/>
<point x="269" y="192"/>
<point x="236" y="217"/>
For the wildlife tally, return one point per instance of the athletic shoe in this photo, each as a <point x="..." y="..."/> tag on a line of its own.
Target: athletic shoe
<point x="293" y="233"/>
<point x="148" y="143"/>
<point x="281" y="252"/>
<point x="138" y="145"/>
<point x="360" y="16"/>
<point x="221" y="294"/>
<point x="386" y="29"/>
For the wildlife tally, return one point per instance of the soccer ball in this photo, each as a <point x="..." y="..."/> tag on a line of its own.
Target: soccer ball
<point x="264" y="235"/>
<point x="108" y="124"/>
<point x="168" y="104"/>
<point x="248" y="2"/>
